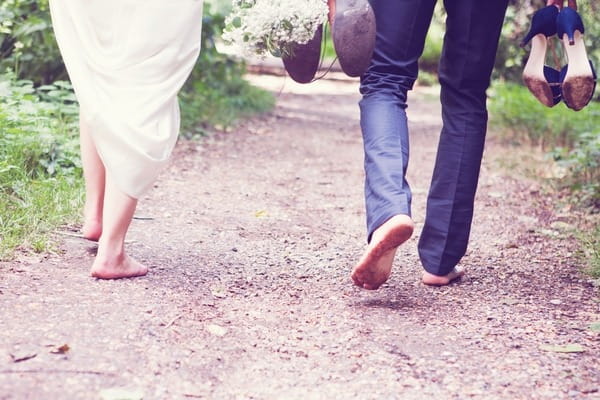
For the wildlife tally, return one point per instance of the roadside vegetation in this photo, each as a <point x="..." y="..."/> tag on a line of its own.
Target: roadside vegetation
<point x="569" y="140"/>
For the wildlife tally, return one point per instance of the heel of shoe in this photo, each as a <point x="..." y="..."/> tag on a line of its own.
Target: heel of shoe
<point x="567" y="23"/>
<point x="542" y="22"/>
<point x="578" y="90"/>
<point x="545" y="88"/>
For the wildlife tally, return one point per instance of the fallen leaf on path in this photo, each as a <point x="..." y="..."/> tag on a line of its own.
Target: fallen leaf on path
<point x="261" y="213"/>
<point x="561" y="226"/>
<point x="121" y="394"/>
<point x="569" y="348"/>
<point x="61" y="350"/>
<point x="509" y="301"/>
<point x="219" y="292"/>
<point x="217" y="330"/>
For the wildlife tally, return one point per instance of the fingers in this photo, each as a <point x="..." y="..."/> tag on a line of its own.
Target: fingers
<point x="557" y="3"/>
<point x="331" y="4"/>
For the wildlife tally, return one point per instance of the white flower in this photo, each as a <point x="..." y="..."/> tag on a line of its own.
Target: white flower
<point x="259" y="27"/>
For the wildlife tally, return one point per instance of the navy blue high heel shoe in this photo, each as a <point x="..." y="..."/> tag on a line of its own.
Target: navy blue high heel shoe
<point x="578" y="78"/>
<point x="543" y="22"/>
<point x="562" y="76"/>
<point x="535" y="73"/>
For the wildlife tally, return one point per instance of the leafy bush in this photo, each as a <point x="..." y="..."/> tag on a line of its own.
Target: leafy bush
<point x="434" y="42"/>
<point x="216" y="93"/>
<point x="27" y="44"/>
<point x="582" y="166"/>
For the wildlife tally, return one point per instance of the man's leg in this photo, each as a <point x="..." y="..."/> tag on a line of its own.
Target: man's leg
<point x="472" y="32"/>
<point x="401" y="30"/>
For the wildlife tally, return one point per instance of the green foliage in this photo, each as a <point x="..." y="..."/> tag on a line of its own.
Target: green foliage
<point x="434" y="42"/>
<point x="427" y="79"/>
<point x="524" y="118"/>
<point x="40" y="174"/>
<point x="39" y="162"/>
<point x="591" y="251"/>
<point x="582" y="166"/>
<point x="511" y="57"/>
<point x="27" y="44"/>
<point x="216" y="93"/>
<point x="572" y="138"/>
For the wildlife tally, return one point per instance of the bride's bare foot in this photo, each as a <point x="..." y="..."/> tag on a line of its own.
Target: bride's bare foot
<point x="434" y="280"/>
<point x="375" y="267"/>
<point x="92" y="219"/>
<point x="118" y="267"/>
<point x="92" y="230"/>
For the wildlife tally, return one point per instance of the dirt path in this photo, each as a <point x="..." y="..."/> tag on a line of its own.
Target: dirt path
<point x="251" y="237"/>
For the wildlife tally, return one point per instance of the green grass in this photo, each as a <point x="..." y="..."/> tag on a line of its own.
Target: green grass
<point x="204" y="106"/>
<point x="40" y="184"/>
<point x="34" y="212"/>
<point x="41" y="188"/>
<point x="522" y="117"/>
<point x="571" y="141"/>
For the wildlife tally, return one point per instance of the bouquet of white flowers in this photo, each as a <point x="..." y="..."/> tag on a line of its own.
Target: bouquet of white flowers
<point x="261" y="27"/>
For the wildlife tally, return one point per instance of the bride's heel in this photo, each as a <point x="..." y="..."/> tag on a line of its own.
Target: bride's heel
<point x="541" y="80"/>
<point x="579" y="78"/>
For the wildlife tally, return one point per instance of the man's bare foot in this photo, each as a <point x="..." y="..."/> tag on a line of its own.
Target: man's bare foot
<point x="92" y="230"/>
<point x="375" y="267"/>
<point x="434" y="280"/>
<point x="117" y="267"/>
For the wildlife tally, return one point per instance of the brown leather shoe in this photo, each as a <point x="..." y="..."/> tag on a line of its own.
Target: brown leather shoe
<point x="353" y="31"/>
<point x="302" y="66"/>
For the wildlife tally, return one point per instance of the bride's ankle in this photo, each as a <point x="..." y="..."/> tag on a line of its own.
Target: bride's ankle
<point x="92" y="229"/>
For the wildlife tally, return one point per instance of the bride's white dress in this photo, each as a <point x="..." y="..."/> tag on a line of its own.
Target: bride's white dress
<point x="127" y="60"/>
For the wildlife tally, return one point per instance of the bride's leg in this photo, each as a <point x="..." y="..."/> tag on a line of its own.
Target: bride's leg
<point x="111" y="261"/>
<point x="94" y="175"/>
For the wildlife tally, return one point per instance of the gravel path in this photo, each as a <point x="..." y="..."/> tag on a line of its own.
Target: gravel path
<point x="250" y="237"/>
